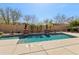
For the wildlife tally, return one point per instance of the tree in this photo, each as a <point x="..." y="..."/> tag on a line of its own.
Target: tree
<point x="37" y="27"/>
<point x="40" y="27"/>
<point x="7" y="15"/>
<point x="30" y="19"/>
<point x="69" y="19"/>
<point x="2" y="14"/>
<point x="60" y="19"/>
<point x="74" y="23"/>
<point x="15" y="15"/>
<point x="27" y="18"/>
<point x="33" y="19"/>
<point x="51" y="23"/>
<point x="32" y="27"/>
<point x="46" y="23"/>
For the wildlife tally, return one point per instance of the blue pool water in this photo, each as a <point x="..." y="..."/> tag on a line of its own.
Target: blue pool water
<point x="43" y="37"/>
<point x="37" y="37"/>
<point x="9" y="37"/>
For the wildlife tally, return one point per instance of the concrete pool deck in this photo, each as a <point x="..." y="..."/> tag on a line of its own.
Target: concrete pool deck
<point x="55" y="47"/>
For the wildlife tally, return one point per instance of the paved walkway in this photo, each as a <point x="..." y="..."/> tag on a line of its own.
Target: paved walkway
<point x="59" y="47"/>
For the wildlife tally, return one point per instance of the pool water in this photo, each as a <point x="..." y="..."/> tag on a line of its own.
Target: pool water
<point x="43" y="37"/>
<point x="8" y="37"/>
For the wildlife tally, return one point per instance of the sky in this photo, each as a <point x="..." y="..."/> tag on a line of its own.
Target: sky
<point x="44" y="10"/>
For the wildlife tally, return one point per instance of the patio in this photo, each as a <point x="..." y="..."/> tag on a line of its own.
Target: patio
<point x="57" y="47"/>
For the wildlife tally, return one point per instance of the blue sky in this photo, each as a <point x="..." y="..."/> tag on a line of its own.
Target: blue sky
<point x="44" y="10"/>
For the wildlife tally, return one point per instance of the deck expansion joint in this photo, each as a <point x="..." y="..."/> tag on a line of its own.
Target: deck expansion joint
<point x="71" y="51"/>
<point x="44" y="49"/>
<point x="14" y="49"/>
<point x="62" y="46"/>
<point x="30" y="52"/>
<point x="50" y="48"/>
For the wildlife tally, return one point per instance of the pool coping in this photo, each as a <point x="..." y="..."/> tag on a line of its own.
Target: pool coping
<point x="44" y="46"/>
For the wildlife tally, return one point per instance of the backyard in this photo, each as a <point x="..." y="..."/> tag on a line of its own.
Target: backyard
<point x="27" y="34"/>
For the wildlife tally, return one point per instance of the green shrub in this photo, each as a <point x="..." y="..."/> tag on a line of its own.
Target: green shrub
<point x="1" y="33"/>
<point x="74" y="23"/>
<point x="72" y="30"/>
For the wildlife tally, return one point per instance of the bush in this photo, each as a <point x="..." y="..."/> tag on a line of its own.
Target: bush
<point x="72" y="30"/>
<point x="1" y="33"/>
<point x="74" y="23"/>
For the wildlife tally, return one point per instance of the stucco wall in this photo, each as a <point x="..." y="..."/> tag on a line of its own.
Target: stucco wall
<point x="20" y="27"/>
<point x="10" y="28"/>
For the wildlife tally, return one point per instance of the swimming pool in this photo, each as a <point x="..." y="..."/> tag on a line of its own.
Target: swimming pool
<point x="30" y="38"/>
<point x="9" y="37"/>
<point x="43" y="37"/>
